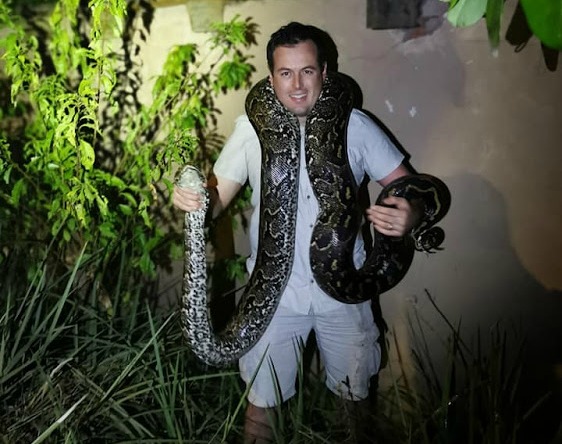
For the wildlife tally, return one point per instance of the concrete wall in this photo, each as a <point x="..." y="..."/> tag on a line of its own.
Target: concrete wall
<point x="490" y="127"/>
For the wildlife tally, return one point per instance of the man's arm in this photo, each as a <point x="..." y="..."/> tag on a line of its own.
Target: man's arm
<point x="221" y="193"/>
<point x="400" y="216"/>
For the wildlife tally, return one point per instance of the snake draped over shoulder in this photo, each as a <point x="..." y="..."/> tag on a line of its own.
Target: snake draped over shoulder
<point x="334" y="234"/>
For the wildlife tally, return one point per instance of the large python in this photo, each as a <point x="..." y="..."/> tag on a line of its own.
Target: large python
<point x="334" y="233"/>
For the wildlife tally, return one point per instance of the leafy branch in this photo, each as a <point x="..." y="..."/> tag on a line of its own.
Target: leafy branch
<point x="544" y="18"/>
<point x="91" y="164"/>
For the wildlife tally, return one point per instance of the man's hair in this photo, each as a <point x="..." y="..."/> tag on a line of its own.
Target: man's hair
<point x="294" y="33"/>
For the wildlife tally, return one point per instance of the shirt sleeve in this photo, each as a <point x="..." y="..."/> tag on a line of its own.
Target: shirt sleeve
<point x="369" y="148"/>
<point x="232" y="162"/>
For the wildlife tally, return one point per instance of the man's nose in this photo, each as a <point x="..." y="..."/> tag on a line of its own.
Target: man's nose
<point x="297" y="81"/>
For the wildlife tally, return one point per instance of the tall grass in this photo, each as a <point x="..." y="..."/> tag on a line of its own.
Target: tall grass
<point x="472" y="394"/>
<point x="73" y="371"/>
<point x="70" y="372"/>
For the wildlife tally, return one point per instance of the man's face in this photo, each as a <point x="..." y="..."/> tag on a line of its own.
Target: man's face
<point x="296" y="78"/>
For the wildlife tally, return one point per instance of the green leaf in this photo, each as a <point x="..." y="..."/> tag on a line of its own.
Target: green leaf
<point x="107" y="230"/>
<point x="80" y="213"/>
<point x="18" y="190"/>
<point x="87" y="155"/>
<point x="233" y="33"/>
<point x="130" y="198"/>
<point x="494" y="11"/>
<point x="545" y="20"/>
<point x="116" y="182"/>
<point x="6" y="174"/>
<point x="102" y="204"/>
<point x="466" y="12"/>
<point x="233" y="74"/>
<point x="126" y="210"/>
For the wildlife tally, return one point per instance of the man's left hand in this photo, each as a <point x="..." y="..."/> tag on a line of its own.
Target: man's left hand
<point x="396" y="218"/>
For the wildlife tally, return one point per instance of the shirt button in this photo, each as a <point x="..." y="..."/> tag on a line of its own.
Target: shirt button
<point x="308" y="196"/>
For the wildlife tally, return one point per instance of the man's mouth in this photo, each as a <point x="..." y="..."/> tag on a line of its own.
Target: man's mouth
<point x="297" y="96"/>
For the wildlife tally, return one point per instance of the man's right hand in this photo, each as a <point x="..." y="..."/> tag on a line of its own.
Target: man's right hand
<point x="186" y="199"/>
<point x="221" y="192"/>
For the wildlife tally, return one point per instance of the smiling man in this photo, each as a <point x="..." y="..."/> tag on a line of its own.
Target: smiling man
<point x="346" y="334"/>
<point x="297" y="77"/>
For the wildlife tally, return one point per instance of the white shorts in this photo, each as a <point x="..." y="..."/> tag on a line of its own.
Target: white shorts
<point x="347" y="342"/>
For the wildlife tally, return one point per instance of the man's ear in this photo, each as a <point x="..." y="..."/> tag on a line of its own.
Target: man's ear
<point x="324" y="71"/>
<point x="270" y="77"/>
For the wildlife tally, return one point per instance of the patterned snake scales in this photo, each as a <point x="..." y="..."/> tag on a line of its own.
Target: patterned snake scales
<point x="334" y="234"/>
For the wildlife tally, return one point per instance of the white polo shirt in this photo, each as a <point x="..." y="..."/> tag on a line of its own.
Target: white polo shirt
<point x="370" y="152"/>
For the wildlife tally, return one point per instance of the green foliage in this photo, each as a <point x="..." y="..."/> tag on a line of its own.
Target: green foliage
<point x="69" y="375"/>
<point x="89" y="164"/>
<point x="544" y="18"/>
<point x="466" y="12"/>
<point x="494" y="10"/>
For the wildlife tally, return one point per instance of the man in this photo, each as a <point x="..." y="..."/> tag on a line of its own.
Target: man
<point x="345" y="333"/>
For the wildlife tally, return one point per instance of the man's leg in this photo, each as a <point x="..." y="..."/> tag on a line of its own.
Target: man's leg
<point x="347" y="341"/>
<point x="258" y="425"/>
<point x="359" y="425"/>
<point x="269" y="368"/>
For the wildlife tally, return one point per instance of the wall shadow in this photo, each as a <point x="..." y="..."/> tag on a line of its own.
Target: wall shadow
<point x="493" y="286"/>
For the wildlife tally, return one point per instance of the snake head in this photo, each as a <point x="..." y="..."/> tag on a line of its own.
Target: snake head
<point x="190" y="177"/>
<point x="429" y="240"/>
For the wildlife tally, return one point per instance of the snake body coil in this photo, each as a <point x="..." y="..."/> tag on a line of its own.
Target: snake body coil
<point x="331" y="251"/>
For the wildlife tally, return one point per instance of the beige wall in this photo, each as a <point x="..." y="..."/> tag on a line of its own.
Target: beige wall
<point x="490" y="127"/>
